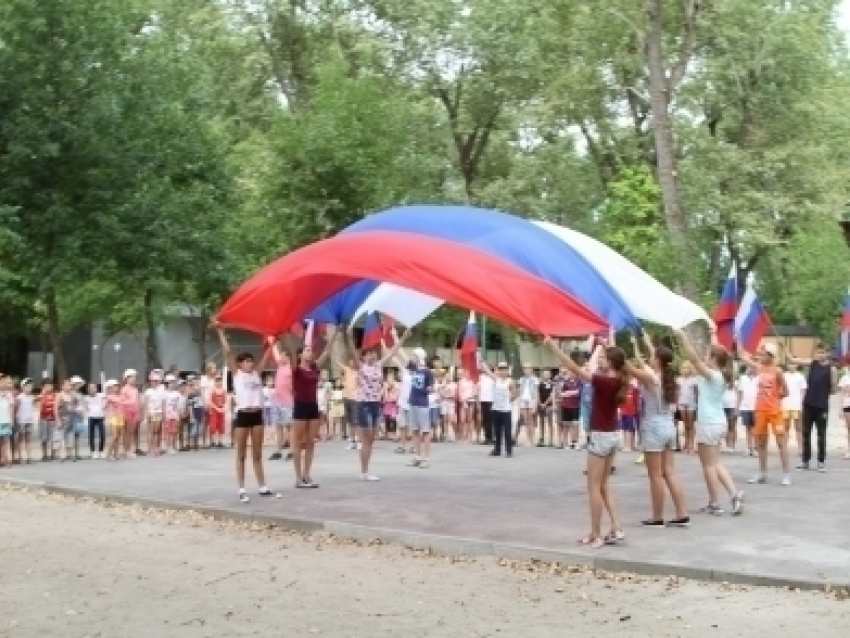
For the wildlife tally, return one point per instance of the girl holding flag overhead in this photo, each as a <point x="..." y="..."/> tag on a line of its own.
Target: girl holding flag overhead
<point x="715" y="375"/>
<point x="369" y="393"/>
<point x="610" y="382"/>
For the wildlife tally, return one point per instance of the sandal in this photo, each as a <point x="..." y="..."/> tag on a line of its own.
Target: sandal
<point x="594" y="542"/>
<point x="614" y="536"/>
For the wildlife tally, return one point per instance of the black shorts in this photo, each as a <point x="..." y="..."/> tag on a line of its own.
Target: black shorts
<point x="305" y="411"/>
<point x="569" y="415"/>
<point x="248" y="418"/>
<point x="748" y="418"/>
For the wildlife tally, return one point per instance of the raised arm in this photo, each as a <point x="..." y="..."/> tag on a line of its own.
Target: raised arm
<point x="267" y="355"/>
<point x="225" y="348"/>
<point x="567" y="360"/>
<point x="352" y="349"/>
<point x="692" y="356"/>
<point x="327" y="351"/>
<point x="642" y="374"/>
<point x="398" y="343"/>
<point x="744" y="356"/>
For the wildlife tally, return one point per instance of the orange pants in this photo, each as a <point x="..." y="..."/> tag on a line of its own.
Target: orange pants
<point x="772" y="419"/>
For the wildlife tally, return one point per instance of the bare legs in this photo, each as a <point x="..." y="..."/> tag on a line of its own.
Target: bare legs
<point x="716" y="475"/>
<point x="367" y="439"/>
<point x="304" y="440"/>
<point x="688" y="421"/>
<point x="661" y="472"/>
<point x="599" y="494"/>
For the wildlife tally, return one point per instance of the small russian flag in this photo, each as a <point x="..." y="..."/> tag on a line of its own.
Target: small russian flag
<point x="372" y="332"/>
<point x="469" y="347"/>
<point x="309" y="331"/>
<point x="727" y="309"/>
<point x="751" y="321"/>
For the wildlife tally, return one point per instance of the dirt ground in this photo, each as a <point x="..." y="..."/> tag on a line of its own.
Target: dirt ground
<point x="75" y="567"/>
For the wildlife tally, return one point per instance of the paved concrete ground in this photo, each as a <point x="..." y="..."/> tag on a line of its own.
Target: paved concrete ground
<point x="533" y="505"/>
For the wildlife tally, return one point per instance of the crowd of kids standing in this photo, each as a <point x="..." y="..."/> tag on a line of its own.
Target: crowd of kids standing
<point x="601" y="405"/>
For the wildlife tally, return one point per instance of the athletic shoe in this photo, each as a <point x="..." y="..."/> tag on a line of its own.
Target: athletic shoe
<point x="652" y="523"/>
<point x="737" y="503"/>
<point x="424" y="464"/>
<point x="401" y="450"/>
<point x="639" y="460"/>
<point x="266" y="492"/>
<point x="288" y="456"/>
<point x="244" y="497"/>
<point x="680" y="522"/>
<point x="786" y="481"/>
<point x="369" y="477"/>
<point x="140" y="453"/>
<point x="802" y="467"/>
<point x="712" y="508"/>
<point x="821" y="468"/>
<point x="758" y="479"/>
<point x="414" y="463"/>
<point x="277" y="456"/>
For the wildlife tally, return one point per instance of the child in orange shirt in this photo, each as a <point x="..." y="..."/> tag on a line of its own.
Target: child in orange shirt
<point x="768" y="413"/>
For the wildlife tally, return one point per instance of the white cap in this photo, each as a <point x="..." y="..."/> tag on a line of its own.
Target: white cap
<point x="169" y="378"/>
<point x="76" y="379"/>
<point x="420" y="353"/>
<point x="502" y="364"/>
<point x="155" y="375"/>
<point x="129" y="372"/>
<point x="771" y="349"/>
<point x="26" y="381"/>
<point x="110" y="383"/>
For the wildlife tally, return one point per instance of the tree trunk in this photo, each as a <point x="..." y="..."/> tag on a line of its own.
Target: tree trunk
<point x="659" y="99"/>
<point x="151" y="346"/>
<point x="54" y="333"/>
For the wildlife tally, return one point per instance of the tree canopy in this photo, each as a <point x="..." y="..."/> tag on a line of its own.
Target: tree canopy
<point x="158" y="151"/>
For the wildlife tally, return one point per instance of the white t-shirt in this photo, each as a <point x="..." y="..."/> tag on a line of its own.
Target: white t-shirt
<point x="796" y="383"/>
<point x="94" y="405"/>
<point x="844" y="385"/>
<point x="404" y="390"/>
<point x="247" y="390"/>
<point x="688" y="392"/>
<point x="207" y="385"/>
<point x="267" y="396"/>
<point x="7" y="403"/>
<point x="155" y="400"/>
<point x="26" y="409"/>
<point x="748" y="387"/>
<point x="730" y="397"/>
<point x="173" y="401"/>
<point x="485" y="389"/>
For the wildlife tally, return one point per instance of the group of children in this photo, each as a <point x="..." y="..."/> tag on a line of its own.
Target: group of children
<point x="178" y="415"/>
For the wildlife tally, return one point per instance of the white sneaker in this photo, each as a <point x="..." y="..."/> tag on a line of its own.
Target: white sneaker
<point x="369" y="477"/>
<point x="172" y="451"/>
<point x="786" y="480"/>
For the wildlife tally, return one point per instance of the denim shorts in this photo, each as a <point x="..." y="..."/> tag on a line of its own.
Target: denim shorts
<point x="45" y="430"/>
<point x="420" y="419"/>
<point x="5" y="430"/>
<point x="658" y="433"/>
<point x="435" y="416"/>
<point x="603" y="444"/>
<point x="368" y="413"/>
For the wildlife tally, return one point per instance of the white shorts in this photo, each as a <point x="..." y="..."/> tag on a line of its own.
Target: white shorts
<point x="711" y="434"/>
<point x="403" y="417"/>
<point x="447" y="408"/>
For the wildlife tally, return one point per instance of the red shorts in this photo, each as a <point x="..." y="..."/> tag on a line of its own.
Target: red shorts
<point x="215" y="422"/>
<point x="171" y="426"/>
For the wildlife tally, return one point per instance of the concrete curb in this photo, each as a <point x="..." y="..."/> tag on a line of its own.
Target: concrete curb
<point x="450" y="545"/>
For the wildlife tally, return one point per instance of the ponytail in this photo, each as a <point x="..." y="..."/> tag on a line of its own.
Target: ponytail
<point x="669" y="387"/>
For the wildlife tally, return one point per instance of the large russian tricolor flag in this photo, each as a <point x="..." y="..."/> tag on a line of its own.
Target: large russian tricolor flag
<point x="469" y="348"/>
<point x="727" y="309"/>
<point x="372" y="332"/>
<point x="751" y="321"/>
